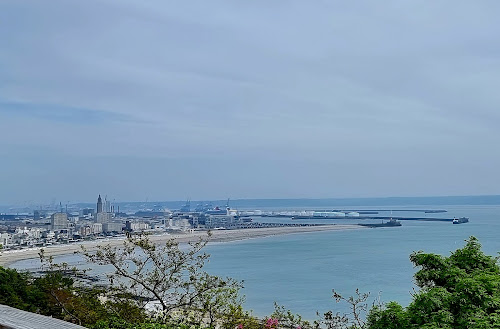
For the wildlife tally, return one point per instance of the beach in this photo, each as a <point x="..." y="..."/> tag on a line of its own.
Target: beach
<point x="11" y="256"/>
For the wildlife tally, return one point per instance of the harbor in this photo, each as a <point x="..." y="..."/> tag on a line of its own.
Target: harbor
<point x="69" y="225"/>
<point x="428" y="219"/>
<point x="361" y="214"/>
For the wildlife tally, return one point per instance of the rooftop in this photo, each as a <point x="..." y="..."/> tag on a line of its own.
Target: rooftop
<point x="12" y="318"/>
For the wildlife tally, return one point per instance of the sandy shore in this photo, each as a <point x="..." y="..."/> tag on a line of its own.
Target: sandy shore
<point x="8" y="257"/>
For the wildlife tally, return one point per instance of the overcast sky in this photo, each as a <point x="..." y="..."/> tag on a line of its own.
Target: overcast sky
<point x="168" y="100"/>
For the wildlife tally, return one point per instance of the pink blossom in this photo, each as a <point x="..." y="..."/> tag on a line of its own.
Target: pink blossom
<point x="271" y="323"/>
<point x="240" y="326"/>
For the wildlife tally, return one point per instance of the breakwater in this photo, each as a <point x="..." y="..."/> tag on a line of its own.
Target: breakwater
<point x="428" y="219"/>
<point x="250" y="225"/>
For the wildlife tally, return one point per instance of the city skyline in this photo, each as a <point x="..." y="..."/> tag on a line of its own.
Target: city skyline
<point x="326" y="203"/>
<point x="168" y="101"/>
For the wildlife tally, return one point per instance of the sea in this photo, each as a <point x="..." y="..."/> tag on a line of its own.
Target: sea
<point x="299" y="271"/>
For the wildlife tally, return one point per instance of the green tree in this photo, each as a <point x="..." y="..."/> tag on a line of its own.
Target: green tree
<point x="14" y="289"/>
<point x="70" y="294"/>
<point x="216" y="305"/>
<point x="459" y="291"/>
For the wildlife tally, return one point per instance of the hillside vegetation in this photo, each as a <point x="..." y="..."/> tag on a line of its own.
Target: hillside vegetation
<point x="165" y="287"/>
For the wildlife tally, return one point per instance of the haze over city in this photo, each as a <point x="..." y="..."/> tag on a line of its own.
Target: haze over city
<point x="166" y="100"/>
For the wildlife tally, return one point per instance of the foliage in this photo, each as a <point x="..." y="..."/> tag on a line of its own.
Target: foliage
<point x="74" y="297"/>
<point x="50" y="294"/>
<point x="168" y="279"/>
<point x="241" y="319"/>
<point x="15" y="290"/>
<point x="217" y="301"/>
<point x="117" y="323"/>
<point x="169" y="276"/>
<point x="358" y="306"/>
<point x="459" y="291"/>
<point x="287" y="320"/>
<point x="391" y="316"/>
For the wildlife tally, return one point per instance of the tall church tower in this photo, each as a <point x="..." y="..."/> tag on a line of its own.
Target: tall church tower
<point x="99" y="204"/>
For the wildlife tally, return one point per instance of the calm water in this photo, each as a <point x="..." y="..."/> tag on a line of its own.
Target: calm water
<point x="299" y="271"/>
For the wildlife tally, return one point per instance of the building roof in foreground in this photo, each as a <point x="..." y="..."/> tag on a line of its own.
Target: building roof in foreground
<point x="12" y="318"/>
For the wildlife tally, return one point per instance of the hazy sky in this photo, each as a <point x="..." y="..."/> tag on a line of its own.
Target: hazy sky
<point x="167" y="100"/>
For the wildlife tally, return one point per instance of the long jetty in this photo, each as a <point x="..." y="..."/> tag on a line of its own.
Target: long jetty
<point x="270" y="225"/>
<point x="428" y="219"/>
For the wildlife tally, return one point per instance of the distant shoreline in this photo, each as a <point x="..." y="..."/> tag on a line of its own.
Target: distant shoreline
<point x="12" y="256"/>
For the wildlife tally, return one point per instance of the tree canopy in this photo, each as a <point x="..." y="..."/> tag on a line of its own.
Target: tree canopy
<point x="455" y="292"/>
<point x="169" y="279"/>
<point x="458" y="291"/>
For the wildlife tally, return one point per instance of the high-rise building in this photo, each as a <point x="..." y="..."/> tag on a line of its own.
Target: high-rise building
<point x="107" y="205"/>
<point x="59" y="221"/>
<point x="99" y="204"/>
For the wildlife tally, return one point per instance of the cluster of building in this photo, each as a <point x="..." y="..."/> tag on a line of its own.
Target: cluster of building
<point x="65" y="227"/>
<point x="42" y="229"/>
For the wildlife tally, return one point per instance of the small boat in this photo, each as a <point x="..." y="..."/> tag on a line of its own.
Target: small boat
<point x="460" y="220"/>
